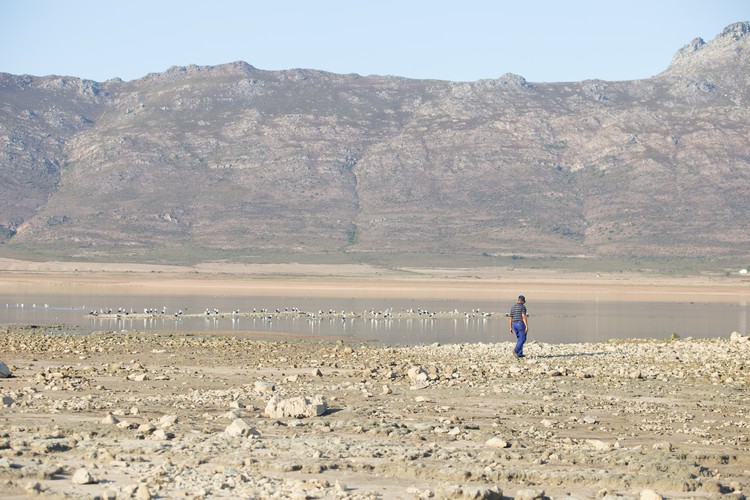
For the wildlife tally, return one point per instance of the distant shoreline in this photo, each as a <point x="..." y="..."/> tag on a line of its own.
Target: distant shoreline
<point x="223" y="279"/>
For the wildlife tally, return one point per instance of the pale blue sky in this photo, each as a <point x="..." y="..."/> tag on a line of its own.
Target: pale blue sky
<point x="467" y="40"/>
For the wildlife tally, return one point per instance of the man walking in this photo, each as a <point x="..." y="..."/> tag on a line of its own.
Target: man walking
<point x="519" y="325"/>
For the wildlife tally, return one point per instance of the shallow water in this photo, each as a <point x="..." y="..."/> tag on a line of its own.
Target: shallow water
<point x="555" y="322"/>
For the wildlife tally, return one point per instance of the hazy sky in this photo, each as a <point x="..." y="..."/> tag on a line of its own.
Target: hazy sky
<point x="467" y="40"/>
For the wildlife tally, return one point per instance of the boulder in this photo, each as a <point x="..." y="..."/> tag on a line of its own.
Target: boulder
<point x="299" y="407"/>
<point x="83" y="476"/>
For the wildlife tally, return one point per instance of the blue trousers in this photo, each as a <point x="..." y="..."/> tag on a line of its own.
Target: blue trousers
<point x="520" y="330"/>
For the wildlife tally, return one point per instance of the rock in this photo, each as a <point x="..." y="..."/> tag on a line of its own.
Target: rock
<point x="264" y="387"/>
<point x="316" y="372"/>
<point x="7" y="401"/>
<point x="590" y="420"/>
<point x="650" y="495"/>
<point x="598" y="445"/>
<point x="147" y="428"/>
<point x="34" y="487"/>
<point x="663" y="446"/>
<point x="124" y="424"/>
<point x="162" y="435"/>
<point x="232" y="414"/>
<point x="167" y="421"/>
<point x="83" y="476"/>
<point x="387" y="390"/>
<point x="143" y="493"/>
<point x="299" y="407"/>
<point x="738" y="337"/>
<point x="529" y="494"/>
<point x="110" y="419"/>
<point x="4" y="370"/>
<point x="497" y="442"/>
<point x="468" y="492"/>
<point x="240" y="428"/>
<point x="418" y="374"/>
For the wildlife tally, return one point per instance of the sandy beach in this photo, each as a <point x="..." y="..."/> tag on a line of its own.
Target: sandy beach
<point x="191" y="415"/>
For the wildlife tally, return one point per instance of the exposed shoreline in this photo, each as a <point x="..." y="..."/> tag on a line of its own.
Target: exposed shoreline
<point x="161" y="415"/>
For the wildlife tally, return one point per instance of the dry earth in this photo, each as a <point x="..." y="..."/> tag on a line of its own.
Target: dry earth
<point x="184" y="416"/>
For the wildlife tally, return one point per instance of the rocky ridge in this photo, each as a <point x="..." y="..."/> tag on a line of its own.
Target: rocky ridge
<point x="232" y="161"/>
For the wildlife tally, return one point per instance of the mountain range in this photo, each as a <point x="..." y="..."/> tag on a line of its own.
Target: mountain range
<point x="234" y="162"/>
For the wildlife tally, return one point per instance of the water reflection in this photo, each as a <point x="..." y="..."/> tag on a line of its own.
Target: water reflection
<point x="388" y="321"/>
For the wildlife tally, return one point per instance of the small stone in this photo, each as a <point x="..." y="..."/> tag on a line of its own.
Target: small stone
<point x="598" y="445"/>
<point x="7" y="401"/>
<point x="663" y="446"/>
<point x="143" y="493"/>
<point x="650" y="495"/>
<point x="264" y="387"/>
<point x="738" y="337"/>
<point x="167" y="421"/>
<point x="123" y="424"/>
<point x="147" y="428"/>
<point x="590" y="420"/>
<point x="418" y="374"/>
<point x="34" y="487"/>
<point x="240" y="427"/>
<point x="497" y="442"/>
<point x="317" y="373"/>
<point x="162" y="435"/>
<point x="110" y="419"/>
<point x="83" y="476"/>
<point x="529" y="494"/>
<point x="387" y="390"/>
<point x="4" y="370"/>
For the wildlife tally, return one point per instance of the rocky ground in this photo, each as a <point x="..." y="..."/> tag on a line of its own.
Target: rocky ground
<point x="144" y="415"/>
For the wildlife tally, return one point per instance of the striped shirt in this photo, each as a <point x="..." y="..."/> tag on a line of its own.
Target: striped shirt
<point x="517" y="311"/>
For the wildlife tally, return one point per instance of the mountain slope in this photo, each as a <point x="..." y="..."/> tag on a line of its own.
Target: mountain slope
<point x="235" y="159"/>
